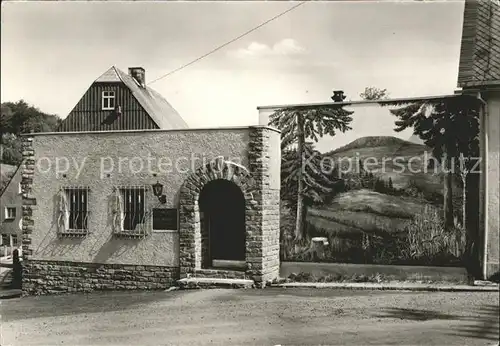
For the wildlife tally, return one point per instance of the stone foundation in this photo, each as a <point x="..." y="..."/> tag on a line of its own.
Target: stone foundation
<point x="52" y="277"/>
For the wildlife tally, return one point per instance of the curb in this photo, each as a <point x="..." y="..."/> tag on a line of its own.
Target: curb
<point x="393" y="287"/>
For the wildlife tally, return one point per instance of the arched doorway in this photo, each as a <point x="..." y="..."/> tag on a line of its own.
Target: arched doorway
<point x="222" y="215"/>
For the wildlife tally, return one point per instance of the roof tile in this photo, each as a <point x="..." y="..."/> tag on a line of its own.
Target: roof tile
<point x="163" y="114"/>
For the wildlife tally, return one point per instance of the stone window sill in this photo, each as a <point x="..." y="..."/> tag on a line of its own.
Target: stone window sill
<point x="74" y="233"/>
<point x="130" y="234"/>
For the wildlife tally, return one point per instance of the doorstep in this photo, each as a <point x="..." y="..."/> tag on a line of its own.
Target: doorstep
<point x="194" y="283"/>
<point x="10" y="293"/>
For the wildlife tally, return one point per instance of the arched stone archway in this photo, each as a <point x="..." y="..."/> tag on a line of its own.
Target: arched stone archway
<point x="193" y="244"/>
<point x="222" y="218"/>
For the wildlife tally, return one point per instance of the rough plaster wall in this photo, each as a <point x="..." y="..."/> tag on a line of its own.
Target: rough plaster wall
<point x="12" y="198"/>
<point x="88" y="149"/>
<point x="275" y="162"/>
<point x="493" y="181"/>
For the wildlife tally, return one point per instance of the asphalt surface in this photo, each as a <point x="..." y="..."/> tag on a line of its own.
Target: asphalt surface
<point x="273" y="316"/>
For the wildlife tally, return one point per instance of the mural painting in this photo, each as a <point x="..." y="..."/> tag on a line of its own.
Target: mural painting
<point x="385" y="182"/>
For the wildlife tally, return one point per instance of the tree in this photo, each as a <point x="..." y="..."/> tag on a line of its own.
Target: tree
<point x="439" y="123"/>
<point x="11" y="149"/>
<point x="298" y="124"/>
<point x="19" y="117"/>
<point x="390" y="185"/>
<point x="450" y="127"/>
<point x="319" y="184"/>
<point x="373" y="93"/>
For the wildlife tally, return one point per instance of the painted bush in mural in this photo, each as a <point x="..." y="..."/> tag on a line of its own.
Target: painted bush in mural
<point x="397" y="184"/>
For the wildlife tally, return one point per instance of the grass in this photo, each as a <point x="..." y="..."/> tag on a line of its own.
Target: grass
<point x="364" y="211"/>
<point x="360" y="278"/>
<point x="364" y="226"/>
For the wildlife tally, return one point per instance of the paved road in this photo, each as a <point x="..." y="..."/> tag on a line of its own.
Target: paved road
<point x="253" y="317"/>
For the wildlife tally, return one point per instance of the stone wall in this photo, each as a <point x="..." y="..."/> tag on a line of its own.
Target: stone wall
<point x="49" y="277"/>
<point x="54" y="264"/>
<point x="260" y="186"/>
<point x="263" y="154"/>
<point x="28" y="201"/>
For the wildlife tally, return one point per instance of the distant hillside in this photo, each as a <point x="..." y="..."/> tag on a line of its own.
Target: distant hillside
<point x="365" y="211"/>
<point x="370" y="142"/>
<point x="415" y="139"/>
<point x="390" y="157"/>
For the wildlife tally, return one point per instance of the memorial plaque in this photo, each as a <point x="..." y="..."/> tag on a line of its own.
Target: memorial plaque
<point x="165" y="219"/>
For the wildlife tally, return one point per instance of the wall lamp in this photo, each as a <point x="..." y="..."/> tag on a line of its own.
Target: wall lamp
<point x="158" y="192"/>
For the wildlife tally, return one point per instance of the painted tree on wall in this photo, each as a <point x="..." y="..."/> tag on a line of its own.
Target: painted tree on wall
<point x="450" y="127"/>
<point x="320" y="179"/>
<point x="297" y="124"/>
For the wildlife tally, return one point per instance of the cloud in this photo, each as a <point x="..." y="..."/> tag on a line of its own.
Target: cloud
<point x="285" y="47"/>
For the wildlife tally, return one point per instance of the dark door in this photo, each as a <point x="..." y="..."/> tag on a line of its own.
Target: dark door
<point x="223" y="205"/>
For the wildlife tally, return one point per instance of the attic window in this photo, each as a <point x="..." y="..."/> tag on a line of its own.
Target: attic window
<point x="108" y="100"/>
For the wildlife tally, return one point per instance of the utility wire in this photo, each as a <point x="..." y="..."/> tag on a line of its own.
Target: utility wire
<point x="229" y="42"/>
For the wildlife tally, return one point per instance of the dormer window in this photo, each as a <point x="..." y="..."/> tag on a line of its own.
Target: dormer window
<point x="108" y="100"/>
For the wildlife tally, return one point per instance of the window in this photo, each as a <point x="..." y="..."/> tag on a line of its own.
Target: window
<point x="10" y="213"/>
<point x="14" y="239"/>
<point x="5" y="240"/>
<point x="19" y="188"/>
<point x="77" y="201"/>
<point x="134" y="207"/>
<point x="108" y="100"/>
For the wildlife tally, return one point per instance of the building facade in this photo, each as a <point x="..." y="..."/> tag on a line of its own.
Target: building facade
<point x="11" y="218"/>
<point x="114" y="101"/>
<point x="94" y="218"/>
<point x="120" y="101"/>
<point x="479" y="75"/>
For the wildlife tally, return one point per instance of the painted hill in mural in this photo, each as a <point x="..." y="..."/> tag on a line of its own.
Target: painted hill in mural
<point x="363" y="210"/>
<point x="412" y="200"/>
<point x="391" y="157"/>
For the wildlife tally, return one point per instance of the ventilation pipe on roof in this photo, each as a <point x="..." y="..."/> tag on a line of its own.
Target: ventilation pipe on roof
<point x="139" y="74"/>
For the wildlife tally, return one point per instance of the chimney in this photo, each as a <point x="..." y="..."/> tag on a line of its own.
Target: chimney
<point x="139" y="74"/>
<point x="338" y="96"/>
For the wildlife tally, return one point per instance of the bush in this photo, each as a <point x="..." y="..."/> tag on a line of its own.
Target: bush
<point x="425" y="239"/>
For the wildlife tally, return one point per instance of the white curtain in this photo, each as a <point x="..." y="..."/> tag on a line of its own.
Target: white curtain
<point x="118" y="212"/>
<point x="64" y="212"/>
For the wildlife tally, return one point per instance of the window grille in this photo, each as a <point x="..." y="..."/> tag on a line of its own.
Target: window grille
<point x="134" y="220"/>
<point x="74" y="211"/>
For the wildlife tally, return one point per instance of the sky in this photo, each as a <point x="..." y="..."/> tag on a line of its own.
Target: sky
<point x="53" y="51"/>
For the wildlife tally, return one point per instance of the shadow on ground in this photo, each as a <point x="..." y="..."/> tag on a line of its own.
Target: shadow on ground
<point x="68" y="304"/>
<point x="485" y="326"/>
<point x="482" y="323"/>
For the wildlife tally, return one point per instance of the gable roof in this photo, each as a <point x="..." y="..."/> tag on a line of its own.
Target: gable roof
<point x="162" y="112"/>
<point x="109" y="76"/>
<point x="480" y="46"/>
